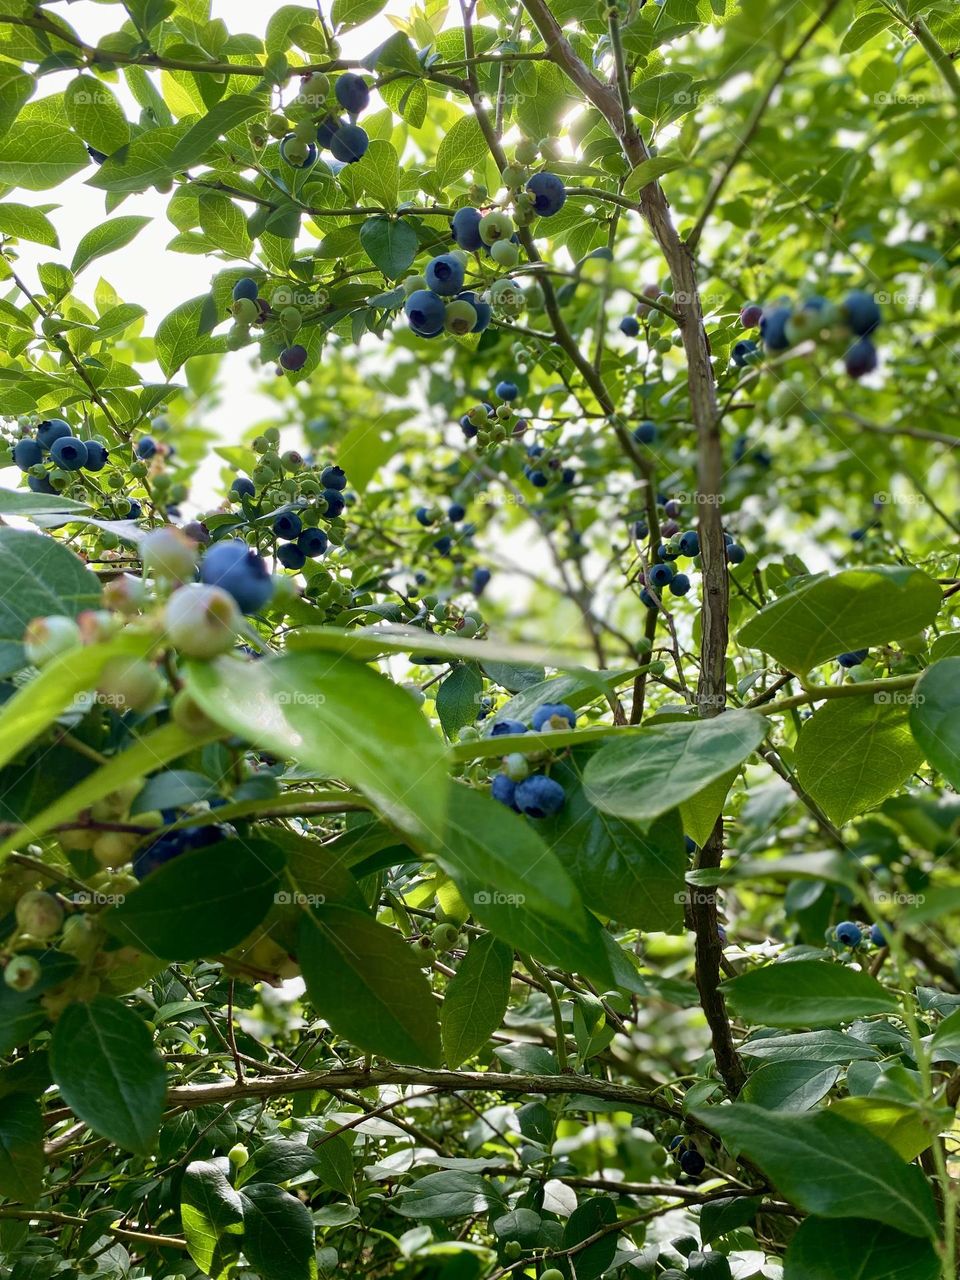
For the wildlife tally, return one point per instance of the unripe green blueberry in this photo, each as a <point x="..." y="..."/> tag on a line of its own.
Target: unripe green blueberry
<point x="526" y="151"/>
<point x="291" y="319"/>
<point x="445" y="936"/>
<point x="550" y="148"/>
<point x="478" y="415"/>
<point x="504" y="412"/>
<point x="914" y="644"/>
<point x="46" y="638"/>
<point x="514" y="176"/>
<point x="260" y="445"/>
<point x="245" y="311"/>
<point x="169" y="554"/>
<point x="125" y="594"/>
<point x="413" y="283"/>
<point x="314" y="88"/>
<point x="97" y="625"/>
<point x="551" y="1273"/>
<point x="272" y="434"/>
<point x="129" y="684"/>
<point x="109" y="540"/>
<point x="516" y="766"/>
<point x="507" y="296"/>
<point x="202" y="621"/>
<point x="39" y="914"/>
<point x="469" y="733"/>
<point x="534" y="296"/>
<point x="460" y="317"/>
<point x="21" y="973"/>
<point x="512" y="1250"/>
<point x="495" y="225"/>
<point x="505" y="253"/>
<point x="305" y="131"/>
<point x="656" y="668"/>
<point x="138" y="469"/>
<point x="114" y="848"/>
<point x="189" y="716"/>
<point x="238" y="1155"/>
<point x="468" y="628"/>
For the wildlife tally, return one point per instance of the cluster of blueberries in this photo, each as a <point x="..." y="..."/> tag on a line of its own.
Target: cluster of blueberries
<point x="249" y="308"/>
<point x="298" y="541"/>
<point x="437" y="302"/>
<point x="533" y="794"/>
<point x="849" y="934"/>
<point x="172" y="843"/>
<point x="55" y="447"/>
<point x="687" y="1156"/>
<point x="661" y="575"/>
<point x="782" y="326"/>
<point x="346" y="141"/>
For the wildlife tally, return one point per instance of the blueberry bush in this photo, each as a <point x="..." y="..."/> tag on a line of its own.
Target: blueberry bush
<point x="491" y="815"/>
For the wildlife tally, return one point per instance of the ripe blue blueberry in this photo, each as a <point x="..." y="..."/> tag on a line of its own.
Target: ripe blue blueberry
<point x="313" y="543"/>
<point x="630" y="325"/>
<point x="335" y="503"/>
<point x="539" y="796"/>
<point x="568" y="475"/>
<point x="295" y="154"/>
<point x="751" y="315"/>
<point x="549" y="194"/>
<point x="479" y="581"/>
<point x="293" y="358"/>
<point x="349" y="143"/>
<point x="245" y="288"/>
<point x="692" y="1162"/>
<point x="848" y="933"/>
<point x="550" y="711"/>
<point x="877" y="936"/>
<point x="424" y="516"/>
<point x="39" y="484"/>
<point x="290" y="556"/>
<point x="647" y="599"/>
<point x="742" y="351"/>
<point x="242" y="573"/>
<point x="69" y="453"/>
<point x="538" y="479"/>
<point x="243" y="488"/>
<point x="159" y="852"/>
<point x="52" y="429"/>
<point x="690" y="843"/>
<point x="456" y="512"/>
<point x="861" y="312"/>
<point x="500" y="727"/>
<point x="147" y="447"/>
<point x="640" y="529"/>
<point x="325" y="131"/>
<point x="773" y="328"/>
<point x="659" y="575"/>
<point x="504" y="789"/>
<point x="679" y="584"/>
<point x="507" y="390"/>
<point x="465" y="227"/>
<point x="443" y="544"/>
<point x="853" y="658"/>
<point x="134" y="509"/>
<point x="97" y="455"/>
<point x="861" y="358"/>
<point x="425" y="311"/>
<point x="287" y="526"/>
<point x="735" y="553"/>
<point x="333" y="478"/>
<point x="646" y="433"/>
<point x="352" y="93"/>
<point x="690" y="543"/>
<point x="467" y="427"/>
<point x="444" y="274"/>
<point x="27" y="454"/>
<point x="666" y="553"/>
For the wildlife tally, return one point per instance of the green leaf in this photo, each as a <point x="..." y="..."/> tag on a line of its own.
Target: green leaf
<point x="181" y="335"/>
<point x="377" y="173"/>
<point x="476" y="999"/>
<point x="338" y="717"/>
<point x="95" y="113"/>
<point x="718" y="1217"/>
<point x="38" y="154"/>
<point x="109" y="1074"/>
<point x="646" y="774"/>
<point x="633" y="876"/>
<point x="828" y="1166"/>
<point x="28" y="223"/>
<point x="16" y="87"/>
<point x="854" y="752"/>
<point x="38" y="577"/>
<point x="452" y="1193"/>
<point x="227" y="114"/>
<point x="699" y="814"/>
<point x="345" y="14"/>
<point x="806" y="993"/>
<point x="105" y="238"/>
<point x="277" y="1233"/>
<point x="390" y="245"/>
<point x="789" y="1086"/>
<point x="933" y="717"/>
<point x="146" y="160"/>
<point x="590" y="1217"/>
<point x="813" y="1046"/>
<point x="212" y="1216"/>
<point x="458" y="698"/>
<point x="825" y="1250"/>
<point x="650" y="171"/>
<point x="367" y="983"/>
<point x="23" y="502"/>
<point x="840" y="613"/>
<point x="488" y="843"/>
<point x="278" y="1160"/>
<point x="21" y="1149"/>
<point x="202" y="903"/>
<point x="945" y="1042"/>
<point x="462" y="148"/>
<point x="224" y="225"/>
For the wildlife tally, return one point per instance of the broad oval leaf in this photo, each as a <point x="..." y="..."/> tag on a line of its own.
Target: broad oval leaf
<point x="21" y="1149"/>
<point x="277" y="1233"/>
<point x="645" y="774"/>
<point x="105" y="238"/>
<point x="39" y="154"/>
<point x="845" y="611"/>
<point x="212" y="1215"/>
<point x="935" y="717"/>
<point x="806" y="993"/>
<point x="38" y="576"/>
<point x="828" y="1250"/>
<point x="108" y="1072"/>
<point x="789" y="1086"/>
<point x="476" y="999"/>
